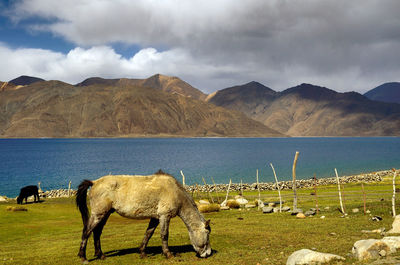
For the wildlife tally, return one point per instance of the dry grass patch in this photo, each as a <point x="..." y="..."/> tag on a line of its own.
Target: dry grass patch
<point x="209" y="208"/>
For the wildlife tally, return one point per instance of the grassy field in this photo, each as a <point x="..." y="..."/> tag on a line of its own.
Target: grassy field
<point x="49" y="232"/>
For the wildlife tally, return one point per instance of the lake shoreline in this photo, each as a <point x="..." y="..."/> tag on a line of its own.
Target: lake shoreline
<point x="263" y="186"/>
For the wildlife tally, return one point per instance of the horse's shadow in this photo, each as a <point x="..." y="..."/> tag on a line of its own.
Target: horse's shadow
<point x="150" y="251"/>
<point x="32" y="202"/>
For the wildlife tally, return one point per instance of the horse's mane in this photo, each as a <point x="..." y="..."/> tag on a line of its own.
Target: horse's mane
<point x="187" y="195"/>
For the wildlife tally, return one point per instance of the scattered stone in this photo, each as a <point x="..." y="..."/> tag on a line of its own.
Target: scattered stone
<point x="322" y="217"/>
<point x="16" y="209"/>
<point x="373" y="248"/>
<point x="267" y="209"/>
<point x="204" y="202"/>
<point x="276" y="210"/>
<point x="368" y="211"/>
<point x="271" y="204"/>
<point x="296" y="211"/>
<point x="355" y="210"/>
<point x="224" y="208"/>
<point x="376" y="218"/>
<point x="3" y="199"/>
<point x="332" y="234"/>
<point x="300" y="216"/>
<point x="241" y="200"/>
<point x="307" y="256"/>
<point x="309" y="213"/>
<point x="378" y="231"/>
<point x="395" y="226"/>
<point x="382" y="253"/>
<point x="285" y="208"/>
<point x="249" y="206"/>
<point x="327" y="208"/>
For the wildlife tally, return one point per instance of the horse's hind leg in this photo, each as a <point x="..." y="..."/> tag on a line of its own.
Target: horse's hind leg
<point x="93" y="221"/>
<point x="164" y="221"/>
<point x="96" y="236"/>
<point x="149" y="232"/>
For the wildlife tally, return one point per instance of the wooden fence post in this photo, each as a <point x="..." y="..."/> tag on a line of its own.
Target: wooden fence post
<point x="315" y="191"/>
<point x="394" y="193"/>
<point x="258" y="187"/>
<point x="215" y="188"/>
<point x="294" y="181"/>
<point x="340" y="194"/>
<point x="279" y="188"/>
<point x="183" y="179"/>
<point x="69" y="189"/>
<point x="227" y="193"/>
<point x="208" y="191"/>
<point x="364" y="198"/>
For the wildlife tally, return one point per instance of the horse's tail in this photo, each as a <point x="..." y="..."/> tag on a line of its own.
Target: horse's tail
<point x="81" y="199"/>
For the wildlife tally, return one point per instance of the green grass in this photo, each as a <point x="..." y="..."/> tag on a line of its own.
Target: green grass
<point x="49" y="232"/>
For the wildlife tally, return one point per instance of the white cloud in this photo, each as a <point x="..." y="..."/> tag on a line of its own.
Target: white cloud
<point x="344" y="45"/>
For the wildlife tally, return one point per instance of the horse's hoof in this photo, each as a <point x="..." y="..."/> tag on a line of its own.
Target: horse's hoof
<point x="143" y="255"/>
<point x="169" y="255"/>
<point x="102" y="257"/>
<point x="84" y="261"/>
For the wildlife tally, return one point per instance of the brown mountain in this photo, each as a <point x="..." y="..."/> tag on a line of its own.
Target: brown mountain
<point x="172" y="85"/>
<point x="119" y="109"/>
<point x="308" y="110"/>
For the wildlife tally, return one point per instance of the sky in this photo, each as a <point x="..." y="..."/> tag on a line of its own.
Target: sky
<point x="211" y="44"/>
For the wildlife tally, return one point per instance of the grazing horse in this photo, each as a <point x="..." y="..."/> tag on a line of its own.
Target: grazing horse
<point x="26" y="192"/>
<point x="159" y="197"/>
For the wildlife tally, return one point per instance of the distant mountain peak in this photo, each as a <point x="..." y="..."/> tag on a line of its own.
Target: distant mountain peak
<point x="25" y="80"/>
<point x="387" y="92"/>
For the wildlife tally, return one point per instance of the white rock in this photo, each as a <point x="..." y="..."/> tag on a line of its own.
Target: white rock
<point x="249" y="206"/>
<point x="3" y="199"/>
<point x="307" y="256"/>
<point x="395" y="226"/>
<point x="322" y="217"/>
<point x="242" y="200"/>
<point x="355" y="210"/>
<point x="204" y="202"/>
<point x="371" y="248"/>
<point x="224" y="208"/>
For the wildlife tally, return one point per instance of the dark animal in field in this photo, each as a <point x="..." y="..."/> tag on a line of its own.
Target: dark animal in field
<point x="159" y="197"/>
<point x="26" y="192"/>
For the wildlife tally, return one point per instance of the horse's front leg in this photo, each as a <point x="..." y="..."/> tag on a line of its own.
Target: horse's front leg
<point x="164" y="222"/>
<point x="149" y="232"/>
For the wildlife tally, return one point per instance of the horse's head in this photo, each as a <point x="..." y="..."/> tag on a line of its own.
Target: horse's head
<point x="19" y="200"/>
<point x="200" y="239"/>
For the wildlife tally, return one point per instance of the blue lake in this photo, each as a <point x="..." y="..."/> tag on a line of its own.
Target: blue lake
<point x="55" y="162"/>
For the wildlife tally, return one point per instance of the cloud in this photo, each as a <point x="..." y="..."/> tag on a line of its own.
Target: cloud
<point x="344" y="45"/>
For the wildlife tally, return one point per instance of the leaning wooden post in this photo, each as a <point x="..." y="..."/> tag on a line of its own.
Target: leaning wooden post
<point x="394" y="193"/>
<point x="183" y="179"/>
<point x="241" y="189"/>
<point x="294" y="181"/>
<point x="340" y="194"/>
<point x="208" y="191"/>
<point x="215" y="188"/>
<point x="227" y="193"/>
<point x="258" y="187"/>
<point x="315" y="191"/>
<point x="279" y="189"/>
<point x="69" y="189"/>
<point x="364" y="199"/>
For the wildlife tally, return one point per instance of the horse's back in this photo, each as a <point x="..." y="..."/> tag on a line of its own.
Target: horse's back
<point x="137" y="196"/>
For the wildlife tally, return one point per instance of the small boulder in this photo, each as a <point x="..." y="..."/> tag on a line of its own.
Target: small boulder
<point x="285" y="208"/>
<point x="309" y="213"/>
<point x="307" y="256"/>
<point x="267" y="209"/>
<point x="300" y="216"/>
<point x="3" y="198"/>
<point x="373" y="248"/>
<point x="355" y="210"/>
<point x="271" y="204"/>
<point x="204" y="202"/>
<point x="224" y="208"/>
<point x="296" y="211"/>
<point x="250" y="206"/>
<point x="395" y="226"/>
<point x="241" y="200"/>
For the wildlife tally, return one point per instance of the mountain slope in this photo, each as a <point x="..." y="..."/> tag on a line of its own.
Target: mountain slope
<point x="25" y="80"/>
<point x="388" y="92"/>
<point x="308" y="110"/>
<point x="57" y="109"/>
<point x="172" y="85"/>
